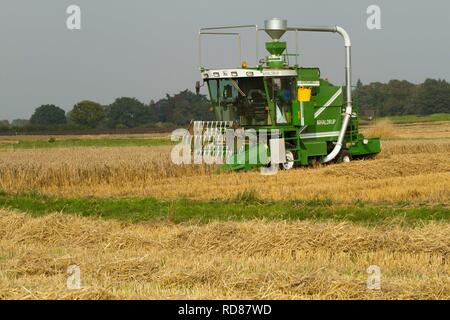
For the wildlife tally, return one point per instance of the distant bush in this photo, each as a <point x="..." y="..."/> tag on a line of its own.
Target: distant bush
<point x="48" y="114"/>
<point x="87" y="113"/>
<point x="404" y="98"/>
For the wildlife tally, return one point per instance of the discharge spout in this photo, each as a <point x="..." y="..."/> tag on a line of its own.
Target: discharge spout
<point x="348" y="81"/>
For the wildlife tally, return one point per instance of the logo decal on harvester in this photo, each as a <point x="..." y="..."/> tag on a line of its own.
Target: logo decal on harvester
<point x="326" y="122"/>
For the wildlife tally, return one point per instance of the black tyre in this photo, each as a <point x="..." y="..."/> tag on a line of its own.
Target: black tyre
<point x="344" y="156"/>
<point x="290" y="158"/>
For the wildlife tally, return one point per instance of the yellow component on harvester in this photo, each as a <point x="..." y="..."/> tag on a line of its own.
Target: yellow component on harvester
<point x="304" y="94"/>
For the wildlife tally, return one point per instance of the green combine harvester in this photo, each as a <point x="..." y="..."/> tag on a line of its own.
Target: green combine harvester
<point x="313" y="120"/>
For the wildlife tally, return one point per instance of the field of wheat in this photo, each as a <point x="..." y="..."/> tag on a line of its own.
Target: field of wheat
<point x="417" y="170"/>
<point x="252" y="260"/>
<point x="416" y="176"/>
<point x="262" y="259"/>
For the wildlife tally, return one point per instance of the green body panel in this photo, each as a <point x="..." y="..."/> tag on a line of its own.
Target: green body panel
<point x="276" y="60"/>
<point x="295" y="113"/>
<point x="316" y="148"/>
<point x="372" y="146"/>
<point x="308" y="74"/>
<point x="307" y="113"/>
<point x="276" y="48"/>
<point x="235" y="161"/>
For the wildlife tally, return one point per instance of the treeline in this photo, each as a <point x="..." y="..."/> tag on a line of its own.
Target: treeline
<point x="378" y="99"/>
<point x="403" y="98"/>
<point x="123" y="113"/>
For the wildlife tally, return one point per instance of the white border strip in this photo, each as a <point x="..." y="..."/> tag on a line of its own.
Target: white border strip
<point x="319" y="135"/>
<point x="302" y="117"/>
<point x="308" y="83"/>
<point x="246" y="73"/>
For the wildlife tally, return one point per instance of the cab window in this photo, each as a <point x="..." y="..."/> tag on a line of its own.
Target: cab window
<point x="282" y="93"/>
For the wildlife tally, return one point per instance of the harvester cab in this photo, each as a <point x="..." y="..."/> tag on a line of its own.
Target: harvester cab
<point x="309" y="118"/>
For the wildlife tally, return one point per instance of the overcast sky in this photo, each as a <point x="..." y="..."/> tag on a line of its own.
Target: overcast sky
<point x="145" y="49"/>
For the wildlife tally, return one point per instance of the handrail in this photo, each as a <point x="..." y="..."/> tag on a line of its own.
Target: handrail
<point x="223" y="34"/>
<point x="205" y="31"/>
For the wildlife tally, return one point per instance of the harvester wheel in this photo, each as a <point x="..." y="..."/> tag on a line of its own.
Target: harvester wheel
<point x="344" y="156"/>
<point x="314" y="162"/>
<point x="289" y="164"/>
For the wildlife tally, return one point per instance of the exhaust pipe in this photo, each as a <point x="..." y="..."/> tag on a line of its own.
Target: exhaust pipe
<point x="348" y="81"/>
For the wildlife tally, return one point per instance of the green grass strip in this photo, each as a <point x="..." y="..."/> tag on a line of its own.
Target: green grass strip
<point x="238" y="209"/>
<point x="415" y="118"/>
<point x="36" y="144"/>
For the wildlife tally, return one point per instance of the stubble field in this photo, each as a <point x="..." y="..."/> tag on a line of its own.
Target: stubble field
<point x="139" y="226"/>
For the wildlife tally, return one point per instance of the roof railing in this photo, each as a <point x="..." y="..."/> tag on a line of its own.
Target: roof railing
<point x="216" y="32"/>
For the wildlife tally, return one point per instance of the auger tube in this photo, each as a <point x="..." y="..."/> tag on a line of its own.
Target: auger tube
<point x="348" y="80"/>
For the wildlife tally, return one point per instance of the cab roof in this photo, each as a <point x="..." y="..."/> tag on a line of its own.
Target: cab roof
<point x="246" y="73"/>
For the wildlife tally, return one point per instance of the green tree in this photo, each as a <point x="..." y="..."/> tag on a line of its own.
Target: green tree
<point x="48" y="114"/>
<point x="433" y="96"/>
<point x="394" y="98"/>
<point x="359" y="84"/>
<point x="128" y="112"/>
<point x="87" y="113"/>
<point x="399" y="98"/>
<point x="183" y="107"/>
<point x="371" y="97"/>
<point x="20" y="123"/>
<point x="4" y="125"/>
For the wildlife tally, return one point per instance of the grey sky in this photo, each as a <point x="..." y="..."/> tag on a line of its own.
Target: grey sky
<point x="145" y="49"/>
